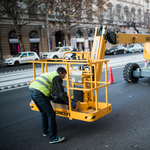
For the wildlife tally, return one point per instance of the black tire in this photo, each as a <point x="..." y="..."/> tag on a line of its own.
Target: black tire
<point x="132" y="51"/>
<point x="55" y="57"/>
<point x="36" y="59"/>
<point x="124" y="52"/>
<point x="16" y="63"/>
<point x="115" y="53"/>
<point x="128" y="72"/>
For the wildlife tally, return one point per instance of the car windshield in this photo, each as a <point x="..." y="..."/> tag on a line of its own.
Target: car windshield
<point x="17" y="55"/>
<point x="56" y="49"/>
<point x="131" y="45"/>
<point x="113" y="47"/>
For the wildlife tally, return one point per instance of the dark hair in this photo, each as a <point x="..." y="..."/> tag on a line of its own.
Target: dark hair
<point x="61" y="69"/>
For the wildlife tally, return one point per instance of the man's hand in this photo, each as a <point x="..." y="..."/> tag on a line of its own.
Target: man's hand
<point x="73" y="104"/>
<point x="51" y="98"/>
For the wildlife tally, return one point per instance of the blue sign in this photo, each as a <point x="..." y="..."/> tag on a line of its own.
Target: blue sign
<point x="50" y="43"/>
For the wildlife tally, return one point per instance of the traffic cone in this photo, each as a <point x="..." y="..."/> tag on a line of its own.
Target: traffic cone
<point x="111" y="80"/>
<point x="145" y="64"/>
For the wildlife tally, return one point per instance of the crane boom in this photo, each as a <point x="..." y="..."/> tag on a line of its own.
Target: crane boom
<point x="119" y="38"/>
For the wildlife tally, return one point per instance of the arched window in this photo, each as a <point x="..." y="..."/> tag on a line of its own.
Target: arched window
<point x="118" y="11"/>
<point x="109" y="11"/>
<point x="126" y="13"/>
<point x="147" y="4"/>
<point x="12" y="35"/>
<point x="34" y="34"/>
<point x="91" y="33"/>
<point x="78" y="33"/>
<point x="132" y="14"/>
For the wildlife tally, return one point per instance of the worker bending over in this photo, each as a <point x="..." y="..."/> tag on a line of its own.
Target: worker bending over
<point x="40" y="90"/>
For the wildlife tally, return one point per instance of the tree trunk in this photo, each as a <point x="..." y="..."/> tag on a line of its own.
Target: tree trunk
<point x="67" y="43"/>
<point x="67" y="34"/>
<point x="19" y="35"/>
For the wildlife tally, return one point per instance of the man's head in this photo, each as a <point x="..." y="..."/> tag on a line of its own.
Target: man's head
<point x="62" y="72"/>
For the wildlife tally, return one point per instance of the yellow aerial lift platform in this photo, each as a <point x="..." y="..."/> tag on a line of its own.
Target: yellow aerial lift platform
<point x="84" y="75"/>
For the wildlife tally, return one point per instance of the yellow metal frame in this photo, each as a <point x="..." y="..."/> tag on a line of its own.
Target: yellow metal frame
<point x="90" y="109"/>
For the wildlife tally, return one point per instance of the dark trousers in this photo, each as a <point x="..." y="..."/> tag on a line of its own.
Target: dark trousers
<point x="47" y="113"/>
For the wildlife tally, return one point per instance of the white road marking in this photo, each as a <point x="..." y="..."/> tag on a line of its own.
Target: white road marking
<point x="22" y="78"/>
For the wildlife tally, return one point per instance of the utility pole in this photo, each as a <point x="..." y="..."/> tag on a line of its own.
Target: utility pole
<point x="47" y="28"/>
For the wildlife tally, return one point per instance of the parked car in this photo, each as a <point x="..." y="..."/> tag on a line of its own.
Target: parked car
<point x="57" y="52"/>
<point x="21" y="58"/>
<point x="134" y="48"/>
<point x="116" y="50"/>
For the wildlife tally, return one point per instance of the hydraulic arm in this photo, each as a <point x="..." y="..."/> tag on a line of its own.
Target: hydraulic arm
<point x="119" y="38"/>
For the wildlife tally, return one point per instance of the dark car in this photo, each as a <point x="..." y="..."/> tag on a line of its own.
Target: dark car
<point x="116" y="50"/>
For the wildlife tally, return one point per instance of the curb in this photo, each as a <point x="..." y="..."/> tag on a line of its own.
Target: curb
<point x="14" y="86"/>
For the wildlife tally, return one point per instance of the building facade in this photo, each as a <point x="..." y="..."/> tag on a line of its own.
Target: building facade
<point x="122" y="16"/>
<point x="41" y="35"/>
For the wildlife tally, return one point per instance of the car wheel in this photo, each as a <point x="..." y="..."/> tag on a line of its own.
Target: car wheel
<point x="55" y="57"/>
<point x="16" y="63"/>
<point x="125" y="52"/>
<point x="140" y="50"/>
<point x="132" y="51"/>
<point x="115" y="53"/>
<point x="36" y="59"/>
<point x="67" y="58"/>
<point x="128" y="72"/>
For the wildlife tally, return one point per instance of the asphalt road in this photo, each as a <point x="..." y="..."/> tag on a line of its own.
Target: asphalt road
<point x="127" y="127"/>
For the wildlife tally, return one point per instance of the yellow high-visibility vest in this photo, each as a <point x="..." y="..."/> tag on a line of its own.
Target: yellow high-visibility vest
<point x="44" y="83"/>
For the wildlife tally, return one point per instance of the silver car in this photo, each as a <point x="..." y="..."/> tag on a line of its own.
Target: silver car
<point x="134" y="48"/>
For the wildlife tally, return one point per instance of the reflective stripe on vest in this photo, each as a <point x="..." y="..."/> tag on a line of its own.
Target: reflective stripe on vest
<point x="48" y="82"/>
<point x="37" y="80"/>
